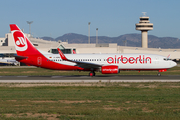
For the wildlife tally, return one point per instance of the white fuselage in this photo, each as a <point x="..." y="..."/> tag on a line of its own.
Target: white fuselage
<point x="123" y="61"/>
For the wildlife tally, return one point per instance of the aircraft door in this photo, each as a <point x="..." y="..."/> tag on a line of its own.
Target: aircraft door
<point x="39" y="60"/>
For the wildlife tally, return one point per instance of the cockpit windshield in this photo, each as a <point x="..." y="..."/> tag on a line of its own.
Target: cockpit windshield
<point x="166" y="59"/>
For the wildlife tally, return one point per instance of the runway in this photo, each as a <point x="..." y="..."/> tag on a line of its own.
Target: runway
<point x="101" y="78"/>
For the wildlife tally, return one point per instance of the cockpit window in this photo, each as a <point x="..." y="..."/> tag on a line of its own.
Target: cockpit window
<point x="166" y="59"/>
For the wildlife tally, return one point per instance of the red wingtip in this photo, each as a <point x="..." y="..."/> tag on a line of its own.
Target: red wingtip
<point x="14" y="27"/>
<point x="74" y="52"/>
<point x="61" y="54"/>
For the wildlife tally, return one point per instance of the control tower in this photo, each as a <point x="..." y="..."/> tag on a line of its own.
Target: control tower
<point x="144" y="26"/>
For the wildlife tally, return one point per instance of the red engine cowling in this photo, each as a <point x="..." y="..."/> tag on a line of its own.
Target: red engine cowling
<point x="111" y="69"/>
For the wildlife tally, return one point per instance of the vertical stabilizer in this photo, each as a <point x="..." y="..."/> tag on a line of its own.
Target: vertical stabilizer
<point x="23" y="46"/>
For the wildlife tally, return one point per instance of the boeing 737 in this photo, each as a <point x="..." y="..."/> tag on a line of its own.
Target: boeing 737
<point x="104" y="63"/>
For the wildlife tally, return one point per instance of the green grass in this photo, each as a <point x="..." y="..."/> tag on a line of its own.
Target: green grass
<point x="46" y="72"/>
<point x="111" y="101"/>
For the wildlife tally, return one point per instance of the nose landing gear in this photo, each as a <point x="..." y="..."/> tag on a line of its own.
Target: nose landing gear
<point x="159" y="74"/>
<point x="162" y="70"/>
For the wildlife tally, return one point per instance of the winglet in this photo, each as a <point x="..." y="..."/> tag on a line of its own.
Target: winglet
<point x="168" y="57"/>
<point x="62" y="55"/>
<point x="74" y="52"/>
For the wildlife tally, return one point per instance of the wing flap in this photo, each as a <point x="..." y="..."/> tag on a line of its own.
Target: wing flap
<point x="87" y="65"/>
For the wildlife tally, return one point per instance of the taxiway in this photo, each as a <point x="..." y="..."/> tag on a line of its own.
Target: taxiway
<point x="101" y="78"/>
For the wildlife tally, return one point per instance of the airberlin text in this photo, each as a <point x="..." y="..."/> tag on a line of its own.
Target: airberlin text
<point x="132" y="60"/>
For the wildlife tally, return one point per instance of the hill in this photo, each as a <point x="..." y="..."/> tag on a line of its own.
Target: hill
<point x="133" y="40"/>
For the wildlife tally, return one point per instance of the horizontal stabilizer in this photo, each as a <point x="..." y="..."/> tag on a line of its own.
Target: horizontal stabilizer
<point x="20" y="57"/>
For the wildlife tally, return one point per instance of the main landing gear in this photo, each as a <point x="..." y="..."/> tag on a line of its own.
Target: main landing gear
<point x="92" y="73"/>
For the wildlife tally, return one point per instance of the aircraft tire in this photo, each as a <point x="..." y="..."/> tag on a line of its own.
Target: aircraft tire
<point x="92" y="74"/>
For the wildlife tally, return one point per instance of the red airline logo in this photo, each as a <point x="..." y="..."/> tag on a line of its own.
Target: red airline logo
<point x="20" y="41"/>
<point x="132" y="60"/>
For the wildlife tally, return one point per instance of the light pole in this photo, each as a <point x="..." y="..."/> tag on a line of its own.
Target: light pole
<point x="96" y="35"/>
<point x="89" y="32"/>
<point x="125" y="42"/>
<point x="29" y="22"/>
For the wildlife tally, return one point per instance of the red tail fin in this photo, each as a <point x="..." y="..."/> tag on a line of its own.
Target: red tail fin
<point x="23" y="46"/>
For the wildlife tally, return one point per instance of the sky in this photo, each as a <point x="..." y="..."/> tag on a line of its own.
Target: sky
<point x="54" y="18"/>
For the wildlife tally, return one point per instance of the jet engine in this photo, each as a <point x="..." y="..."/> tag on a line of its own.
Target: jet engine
<point x="111" y="69"/>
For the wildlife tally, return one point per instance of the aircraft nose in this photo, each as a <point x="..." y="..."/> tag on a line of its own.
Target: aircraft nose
<point x="173" y="63"/>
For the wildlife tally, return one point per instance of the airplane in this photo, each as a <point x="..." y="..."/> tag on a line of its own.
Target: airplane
<point x="104" y="63"/>
<point x="4" y="61"/>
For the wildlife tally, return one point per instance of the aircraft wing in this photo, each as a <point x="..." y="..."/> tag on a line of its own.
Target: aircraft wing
<point x="79" y="63"/>
<point x="86" y="64"/>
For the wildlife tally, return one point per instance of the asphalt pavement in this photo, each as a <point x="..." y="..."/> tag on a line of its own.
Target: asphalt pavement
<point x="100" y="78"/>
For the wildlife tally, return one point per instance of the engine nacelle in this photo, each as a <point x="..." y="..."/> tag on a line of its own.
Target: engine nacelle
<point x="111" y="69"/>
